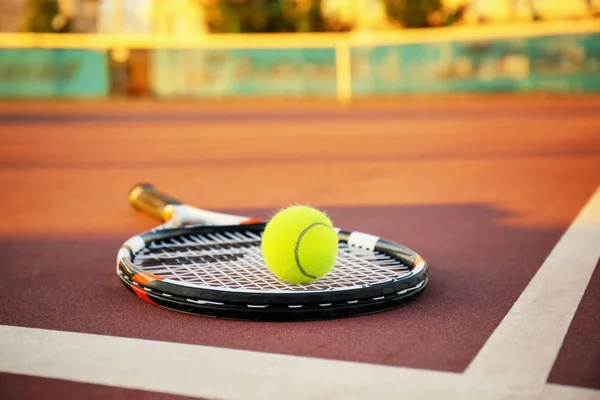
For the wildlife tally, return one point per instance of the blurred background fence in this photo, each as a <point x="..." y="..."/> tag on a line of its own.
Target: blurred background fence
<point x="342" y="49"/>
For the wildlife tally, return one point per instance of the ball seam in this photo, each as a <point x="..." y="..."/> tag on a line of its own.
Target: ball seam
<point x="297" y="248"/>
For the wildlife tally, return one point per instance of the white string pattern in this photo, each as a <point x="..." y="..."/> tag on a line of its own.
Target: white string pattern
<point x="234" y="261"/>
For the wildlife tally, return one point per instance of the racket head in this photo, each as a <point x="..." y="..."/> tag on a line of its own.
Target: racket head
<point x="217" y="270"/>
<point x="210" y="263"/>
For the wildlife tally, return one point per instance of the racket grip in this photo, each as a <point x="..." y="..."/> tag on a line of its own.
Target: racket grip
<point x="145" y="198"/>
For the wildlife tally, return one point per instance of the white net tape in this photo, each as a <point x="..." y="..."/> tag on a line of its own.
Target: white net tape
<point x="233" y="261"/>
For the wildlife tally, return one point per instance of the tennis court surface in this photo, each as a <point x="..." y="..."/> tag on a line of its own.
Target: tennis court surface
<point x="500" y="195"/>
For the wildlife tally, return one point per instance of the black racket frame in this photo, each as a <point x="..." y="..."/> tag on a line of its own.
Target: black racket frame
<point x="278" y="306"/>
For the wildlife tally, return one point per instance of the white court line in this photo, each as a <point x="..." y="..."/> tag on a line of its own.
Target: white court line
<point x="519" y="353"/>
<point x="522" y="350"/>
<point x="200" y="370"/>
<point x="209" y="372"/>
<point x="561" y="392"/>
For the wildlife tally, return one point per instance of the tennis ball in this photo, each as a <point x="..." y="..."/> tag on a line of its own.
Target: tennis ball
<point x="299" y="244"/>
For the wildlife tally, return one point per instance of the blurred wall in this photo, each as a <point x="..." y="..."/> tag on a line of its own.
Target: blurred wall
<point x="370" y="14"/>
<point x="560" y="9"/>
<point x="189" y="16"/>
<point x="83" y="14"/>
<point x="11" y="15"/>
<point x="178" y="17"/>
<point x="124" y="16"/>
<point x="153" y="16"/>
<point x="361" y="14"/>
<point x="510" y="10"/>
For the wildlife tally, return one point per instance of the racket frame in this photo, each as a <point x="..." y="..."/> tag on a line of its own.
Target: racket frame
<point x="180" y="219"/>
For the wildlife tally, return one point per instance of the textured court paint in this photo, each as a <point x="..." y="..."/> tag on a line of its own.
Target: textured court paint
<point x="578" y="363"/>
<point x="512" y="160"/>
<point x="452" y="303"/>
<point x="211" y="114"/>
<point x="104" y="360"/>
<point x="522" y="350"/>
<point x="14" y="387"/>
<point x="519" y="176"/>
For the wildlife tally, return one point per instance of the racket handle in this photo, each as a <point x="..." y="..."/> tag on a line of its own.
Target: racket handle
<point x="148" y="200"/>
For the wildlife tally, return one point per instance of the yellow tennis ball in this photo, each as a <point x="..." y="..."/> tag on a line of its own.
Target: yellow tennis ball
<point x="299" y="244"/>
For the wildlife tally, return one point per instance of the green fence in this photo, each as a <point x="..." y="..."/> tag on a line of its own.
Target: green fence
<point x="53" y="73"/>
<point x="553" y="63"/>
<point x="341" y="67"/>
<point x="239" y="72"/>
<point x="561" y="63"/>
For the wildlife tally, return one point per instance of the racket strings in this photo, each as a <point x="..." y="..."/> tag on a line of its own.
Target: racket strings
<point x="233" y="260"/>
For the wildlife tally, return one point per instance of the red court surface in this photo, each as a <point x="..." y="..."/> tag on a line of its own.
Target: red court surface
<point x="483" y="188"/>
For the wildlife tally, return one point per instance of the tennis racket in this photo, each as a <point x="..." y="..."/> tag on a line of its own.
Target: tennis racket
<point x="209" y="263"/>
